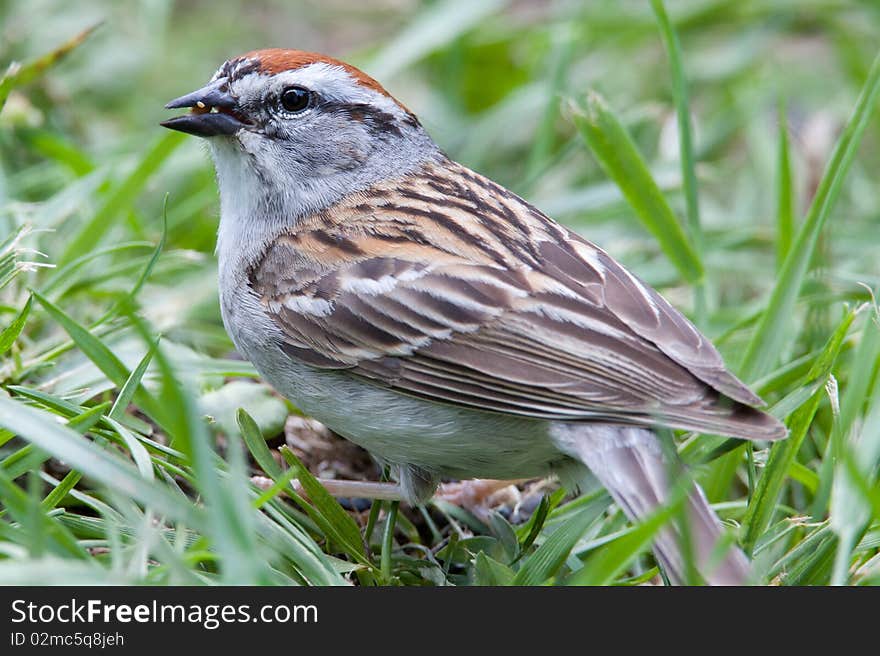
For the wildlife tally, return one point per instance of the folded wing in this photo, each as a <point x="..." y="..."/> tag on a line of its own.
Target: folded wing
<point x="489" y="304"/>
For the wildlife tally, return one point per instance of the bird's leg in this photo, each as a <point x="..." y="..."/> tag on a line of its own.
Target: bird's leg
<point x="468" y="494"/>
<point x="344" y="489"/>
<point x="359" y="489"/>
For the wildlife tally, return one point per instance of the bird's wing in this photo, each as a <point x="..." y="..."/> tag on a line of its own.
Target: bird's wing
<point x="446" y="286"/>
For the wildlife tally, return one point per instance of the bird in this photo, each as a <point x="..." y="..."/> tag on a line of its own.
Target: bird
<point x="440" y="321"/>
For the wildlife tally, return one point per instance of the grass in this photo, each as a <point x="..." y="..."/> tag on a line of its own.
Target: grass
<point x="726" y="152"/>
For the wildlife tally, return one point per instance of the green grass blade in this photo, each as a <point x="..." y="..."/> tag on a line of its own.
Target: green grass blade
<point x="256" y="444"/>
<point x="811" y="561"/>
<point x="13" y="330"/>
<point x="19" y="74"/>
<point x="138" y="451"/>
<point x="103" y="357"/>
<point x="233" y="525"/>
<point x="388" y="541"/>
<point x="682" y="109"/>
<point x="62" y="150"/>
<point x="290" y="539"/>
<point x="552" y="554"/>
<point x="855" y="501"/>
<point x="559" y="62"/>
<point x="53" y="403"/>
<point x="128" y="301"/>
<point x="859" y="383"/>
<point x="88" y="419"/>
<point x="488" y="571"/>
<point x="767" y="342"/>
<point x="43" y="527"/>
<point x="122" y="197"/>
<point x="131" y="385"/>
<point x="49" y="570"/>
<point x="863" y="373"/>
<point x="502" y="530"/>
<point x="604" y="565"/>
<point x="60" y="491"/>
<point x="279" y="485"/>
<point x="342" y="528"/>
<point x="20" y="461"/>
<point x="763" y="503"/>
<point x="685" y="142"/>
<point x="856" y="456"/>
<point x="91" y="346"/>
<point x="438" y="25"/>
<point x="619" y="157"/>
<point x="784" y="192"/>
<point x="43" y="430"/>
<point x="65" y="276"/>
<point x="17" y="463"/>
<point x="532" y="529"/>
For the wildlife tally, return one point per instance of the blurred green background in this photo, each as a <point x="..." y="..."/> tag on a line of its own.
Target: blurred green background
<point x="772" y="83"/>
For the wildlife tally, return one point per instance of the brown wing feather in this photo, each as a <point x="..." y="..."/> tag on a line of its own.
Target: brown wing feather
<point x="447" y="286"/>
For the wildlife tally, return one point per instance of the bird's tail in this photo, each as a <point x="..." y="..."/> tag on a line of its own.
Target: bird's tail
<point x="629" y="462"/>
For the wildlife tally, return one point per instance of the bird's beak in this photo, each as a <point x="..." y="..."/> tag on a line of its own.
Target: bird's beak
<point x="214" y="112"/>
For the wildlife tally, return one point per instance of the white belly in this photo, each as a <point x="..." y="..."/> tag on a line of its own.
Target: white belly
<point x="451" y="441"/>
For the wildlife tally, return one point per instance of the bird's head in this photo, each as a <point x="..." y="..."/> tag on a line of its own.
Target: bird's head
<point x="289" y="123"/>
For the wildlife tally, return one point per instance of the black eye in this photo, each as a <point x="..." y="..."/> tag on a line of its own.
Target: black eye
<point x="295" y="99"/>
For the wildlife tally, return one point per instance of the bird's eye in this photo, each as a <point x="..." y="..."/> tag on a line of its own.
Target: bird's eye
<point x="295" y="99"/>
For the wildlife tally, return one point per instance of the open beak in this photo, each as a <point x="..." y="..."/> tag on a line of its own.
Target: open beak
<point x="214" y="112"/>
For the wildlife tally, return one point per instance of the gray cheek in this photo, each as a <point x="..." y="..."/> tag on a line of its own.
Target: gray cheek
<point x="322" y="146"/>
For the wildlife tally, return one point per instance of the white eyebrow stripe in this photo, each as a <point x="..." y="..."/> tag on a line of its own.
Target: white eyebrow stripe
<point x="335" y="83"/>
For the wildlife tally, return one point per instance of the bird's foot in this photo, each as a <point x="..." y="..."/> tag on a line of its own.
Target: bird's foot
<point x="480" y="495"/>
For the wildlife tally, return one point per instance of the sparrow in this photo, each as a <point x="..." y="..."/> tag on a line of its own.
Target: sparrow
<point x="439" y="320"/>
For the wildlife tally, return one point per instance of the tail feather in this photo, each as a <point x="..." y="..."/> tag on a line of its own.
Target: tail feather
<point x="629" y="462"/>
<point x="731" y="419"/>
